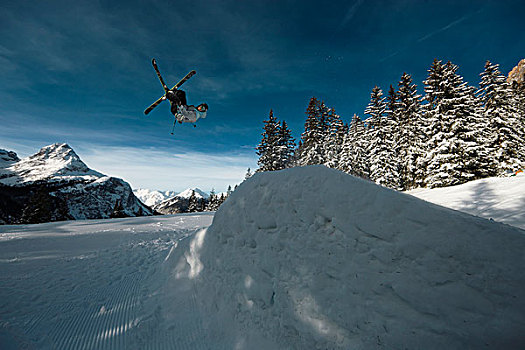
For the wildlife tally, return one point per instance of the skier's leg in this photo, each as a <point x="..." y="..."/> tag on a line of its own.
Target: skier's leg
<point x="181" y="96"/>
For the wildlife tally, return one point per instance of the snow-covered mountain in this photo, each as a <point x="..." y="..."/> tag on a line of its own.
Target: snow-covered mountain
<point x="54" y="184"/>
<point x="179" y="203"/>
<point x="152" y="197"/>
<point x="517" y="74"/>
<point x="198" y="193"/>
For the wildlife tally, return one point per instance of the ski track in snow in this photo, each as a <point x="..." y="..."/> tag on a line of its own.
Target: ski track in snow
<point x="64" y="288"/>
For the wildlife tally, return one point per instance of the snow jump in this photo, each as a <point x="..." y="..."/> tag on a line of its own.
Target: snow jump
<point x="182" y="112"/>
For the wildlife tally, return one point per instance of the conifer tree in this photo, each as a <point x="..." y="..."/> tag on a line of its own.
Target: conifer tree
<point x="286" y="147"/>
<point x="451" y="157"/>
<point x="334" y="139"/>
<point x="354" y="158"/>
<point x="409" y="136"/>
<point x="268" y="149"/>
<point x="505" y="139"/>
<point x="211" y="204"/>
<point x="193" y="203"/>
<point x="311" y="150"/>
<point x="376" y="107"/>
<point x="381" y="152"/>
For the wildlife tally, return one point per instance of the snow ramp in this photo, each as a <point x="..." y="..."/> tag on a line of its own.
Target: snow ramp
<point x="312" y="258"/>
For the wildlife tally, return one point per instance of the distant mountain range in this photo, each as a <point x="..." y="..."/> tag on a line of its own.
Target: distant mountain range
<point x="154" y="197"/>
<point x="169" y="202"/>
<point x="54" y="184"/>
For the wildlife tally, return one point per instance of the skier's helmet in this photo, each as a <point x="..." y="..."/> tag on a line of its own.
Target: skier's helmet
<point x="203" y="107"/>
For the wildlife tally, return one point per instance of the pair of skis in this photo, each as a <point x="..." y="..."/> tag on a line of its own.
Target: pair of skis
<point x="182" y="81"/>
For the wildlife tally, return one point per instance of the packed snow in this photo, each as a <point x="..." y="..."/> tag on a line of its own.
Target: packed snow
<point x="305" y="258"/>
<point x="500" y="199"/>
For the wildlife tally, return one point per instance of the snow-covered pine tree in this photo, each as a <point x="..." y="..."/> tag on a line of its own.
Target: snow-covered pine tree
<point x="409" y="134"/>
<point x="381" y="149"/>
<point x="434" y="85"/>
<point x="501" y="115"/>
<point x="311" y="150"/>
<point x="334" y="139"/>
<point x="376" y="108"/>
<point x="268" y="149"/>
<point x="452" y="156"/>
<point x="354" y="157"/>
<point x="286" y="147"/>
<point x="211" y="204"/>
<point x="193" y="203"/>
<point x="391" y="103"/>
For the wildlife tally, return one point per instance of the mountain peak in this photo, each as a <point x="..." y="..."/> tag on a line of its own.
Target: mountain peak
<point x="56" y="150"/>
<point x="7" y="158"/>
<point x="187" y="193"/>
<point x="53" y="162"/>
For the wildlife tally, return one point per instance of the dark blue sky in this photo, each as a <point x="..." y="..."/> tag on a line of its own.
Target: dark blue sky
<point x="80" y="72"/>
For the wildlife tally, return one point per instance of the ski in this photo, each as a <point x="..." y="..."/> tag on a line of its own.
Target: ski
<point x="183" y="80"/>
<point x="154" y="63"/>
<point x="155" y="104"/>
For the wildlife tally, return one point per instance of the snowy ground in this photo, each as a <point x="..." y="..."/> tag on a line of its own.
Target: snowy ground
<point x="284" y="266"/>
<point x="501" y="199"/>
<point x="85" y="284"/>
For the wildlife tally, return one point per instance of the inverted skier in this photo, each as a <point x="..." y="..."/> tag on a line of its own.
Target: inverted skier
<point x="182" y="112"/>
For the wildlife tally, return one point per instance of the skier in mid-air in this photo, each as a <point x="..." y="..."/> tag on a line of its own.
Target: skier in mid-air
<point x="180" y="109"/>
<point x="183" y="112"/>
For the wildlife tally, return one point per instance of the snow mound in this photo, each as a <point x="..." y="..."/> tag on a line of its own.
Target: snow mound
<point x="312" y="258"/>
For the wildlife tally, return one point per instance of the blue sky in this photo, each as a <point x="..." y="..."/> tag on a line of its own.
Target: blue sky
<point x="80" y="72"/>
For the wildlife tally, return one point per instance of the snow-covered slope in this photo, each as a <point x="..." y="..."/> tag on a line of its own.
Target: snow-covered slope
<point x="311" y="258"/>
<point x="54" y="184"/>
<point x="500" y="198"/>
<point x="306" y="258"/>
<point x="152" y="197"/>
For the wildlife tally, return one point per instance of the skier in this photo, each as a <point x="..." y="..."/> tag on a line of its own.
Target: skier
<point x="180" y="109"/>
<point x="190" y="114"/>
<point x="183" y="112"/>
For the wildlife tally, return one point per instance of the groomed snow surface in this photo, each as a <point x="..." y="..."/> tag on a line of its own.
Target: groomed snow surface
<point x="306" y="258"/>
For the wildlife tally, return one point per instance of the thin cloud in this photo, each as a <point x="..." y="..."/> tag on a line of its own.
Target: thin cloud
<point x="350" y="14"/>
<point x="448" y="26"/>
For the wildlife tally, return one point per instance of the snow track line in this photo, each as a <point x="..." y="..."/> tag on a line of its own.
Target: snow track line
<point x="100" y="301"/>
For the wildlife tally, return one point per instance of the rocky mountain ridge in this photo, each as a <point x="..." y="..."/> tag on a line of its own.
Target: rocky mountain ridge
<point x="54" y="184"/>
<point x="180" y="202"/>
<point x="517" y="74"/>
